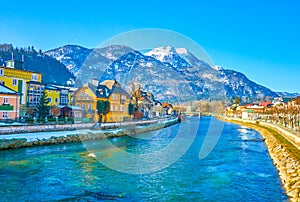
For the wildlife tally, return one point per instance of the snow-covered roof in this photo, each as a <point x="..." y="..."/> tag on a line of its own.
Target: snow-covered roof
<point x="6" y="90"/>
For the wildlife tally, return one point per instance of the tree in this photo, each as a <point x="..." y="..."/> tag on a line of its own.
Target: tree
<point x="237" y="100"/>
<point x="103" y="109"/>
<point x="130" y="109"/>
<point x="43" y="108"/>
<point x="136" y="95"/>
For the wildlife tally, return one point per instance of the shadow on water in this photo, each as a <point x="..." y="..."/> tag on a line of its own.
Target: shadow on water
<point x="95" y="196"/>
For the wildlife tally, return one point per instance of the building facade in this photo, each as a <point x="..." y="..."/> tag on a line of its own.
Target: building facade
<point x="119" y="100"/>
<point x="85" y="98"/>
<point x="15" y="78"/>
<point x="59" y="95"/>
<point x="89" y="94"/>
<point x="9" y="103"/>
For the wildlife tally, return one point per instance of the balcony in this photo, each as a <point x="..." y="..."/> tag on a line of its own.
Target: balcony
<point x="6" y="107"/>
<point x="90" y="111"/>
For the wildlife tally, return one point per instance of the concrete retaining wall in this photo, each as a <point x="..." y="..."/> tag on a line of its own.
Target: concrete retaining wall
<point x="90" y="135"/>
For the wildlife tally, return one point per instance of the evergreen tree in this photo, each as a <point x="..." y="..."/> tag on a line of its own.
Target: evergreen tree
<point x="130" y="109"/>
<point x="103" y="108"/>
<point x="237" y="100"/>
<point x="43" y="108"/>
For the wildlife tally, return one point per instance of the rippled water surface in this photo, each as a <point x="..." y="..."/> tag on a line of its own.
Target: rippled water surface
<point x="238" y="169"/>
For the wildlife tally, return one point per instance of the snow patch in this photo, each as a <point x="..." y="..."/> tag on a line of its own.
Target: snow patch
<point x="182" y="51"/>
<point x="217" y="67"/>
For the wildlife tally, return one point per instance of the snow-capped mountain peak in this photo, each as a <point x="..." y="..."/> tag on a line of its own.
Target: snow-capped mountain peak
<point x="156" y="70"/>
<point x="162" y="53"/>
<point x="168" y="54"/>
<point x="182" y="51"/>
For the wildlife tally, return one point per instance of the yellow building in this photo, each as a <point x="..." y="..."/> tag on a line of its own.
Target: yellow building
<point x="87" y="96"/>
<point x="119" y="100"/>
<point x="15" y="78"/>
<point x="25" y="83"/>
<point x="59" y="95"/>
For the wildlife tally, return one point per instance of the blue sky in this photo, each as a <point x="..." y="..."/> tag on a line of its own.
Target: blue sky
<point x="259" y="38"/>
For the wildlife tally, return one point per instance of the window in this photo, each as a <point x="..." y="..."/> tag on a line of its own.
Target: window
<point x="34" y="77"/>
<point x="87" y="96"/>
<point x="2" y="82"/>
<point x="5" y="115"/>
<point x="15" y="82"/>
<point x="89" y="107"/>
<point x="56" y="100"/>
<point x="1" y="72"/>
<point x="82" y="94"/>
<point x="5" y="100"/>
<point x="113" y="108"/>
<point x="123" y="97"/>
<point x="49" y="99"/>
<point x="83" y="106"/>
<point x="63" y="100"/>
<point x="116" y="108"/>
<point x="114" y="96"/>
<point x="121" y="108"/>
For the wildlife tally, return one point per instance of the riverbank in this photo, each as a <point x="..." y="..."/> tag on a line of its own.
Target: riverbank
<point x="284" y="153"/>
<point x="47" y="138"/>
<point x="19" y="129"/>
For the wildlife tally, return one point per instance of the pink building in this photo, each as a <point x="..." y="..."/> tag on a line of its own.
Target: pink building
<point x="9" y="103"/>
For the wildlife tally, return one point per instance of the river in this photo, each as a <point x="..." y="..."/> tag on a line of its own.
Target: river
<point x="238" y="168"/>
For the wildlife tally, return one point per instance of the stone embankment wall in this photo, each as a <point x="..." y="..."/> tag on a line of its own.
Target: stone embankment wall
<point x="91" y="135"/>
<point x="284" y="153"/>
<point x="43" y="128"/>
<point x="4" y="130"/>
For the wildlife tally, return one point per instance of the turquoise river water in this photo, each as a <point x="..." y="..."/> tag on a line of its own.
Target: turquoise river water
<point x="239" y="168"/>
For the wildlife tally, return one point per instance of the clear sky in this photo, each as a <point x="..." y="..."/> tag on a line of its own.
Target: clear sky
<point x="259" y="38"/>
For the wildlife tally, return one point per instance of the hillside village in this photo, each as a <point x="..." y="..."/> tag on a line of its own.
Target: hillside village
<point x="25" y="98"/>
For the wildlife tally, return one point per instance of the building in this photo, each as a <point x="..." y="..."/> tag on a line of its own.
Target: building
<point x="9" y="103"/>
<point x="87" y="96"/>
<point x="118" y="98"/>
<point x="34" y="92"/>
<point x="144" y="102"/>
<point x="59" y="95"/>
<point x="15" y="78"/>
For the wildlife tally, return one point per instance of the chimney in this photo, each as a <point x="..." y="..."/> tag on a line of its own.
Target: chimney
<point x="94" y="82"/>
<point x="22" y="61"/>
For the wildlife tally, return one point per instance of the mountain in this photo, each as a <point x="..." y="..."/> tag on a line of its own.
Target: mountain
<point x="71" y="56"/>
<point x="179" y="72"/>
<point x="169" y="56"/>
<point x="87" y="63"/>
<point x="236" y="83"/>
<point x="289" y="95"/>
<point x="166" y="71"/>
<point x="52" y="70"/>
<point x="154" y="76"/>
